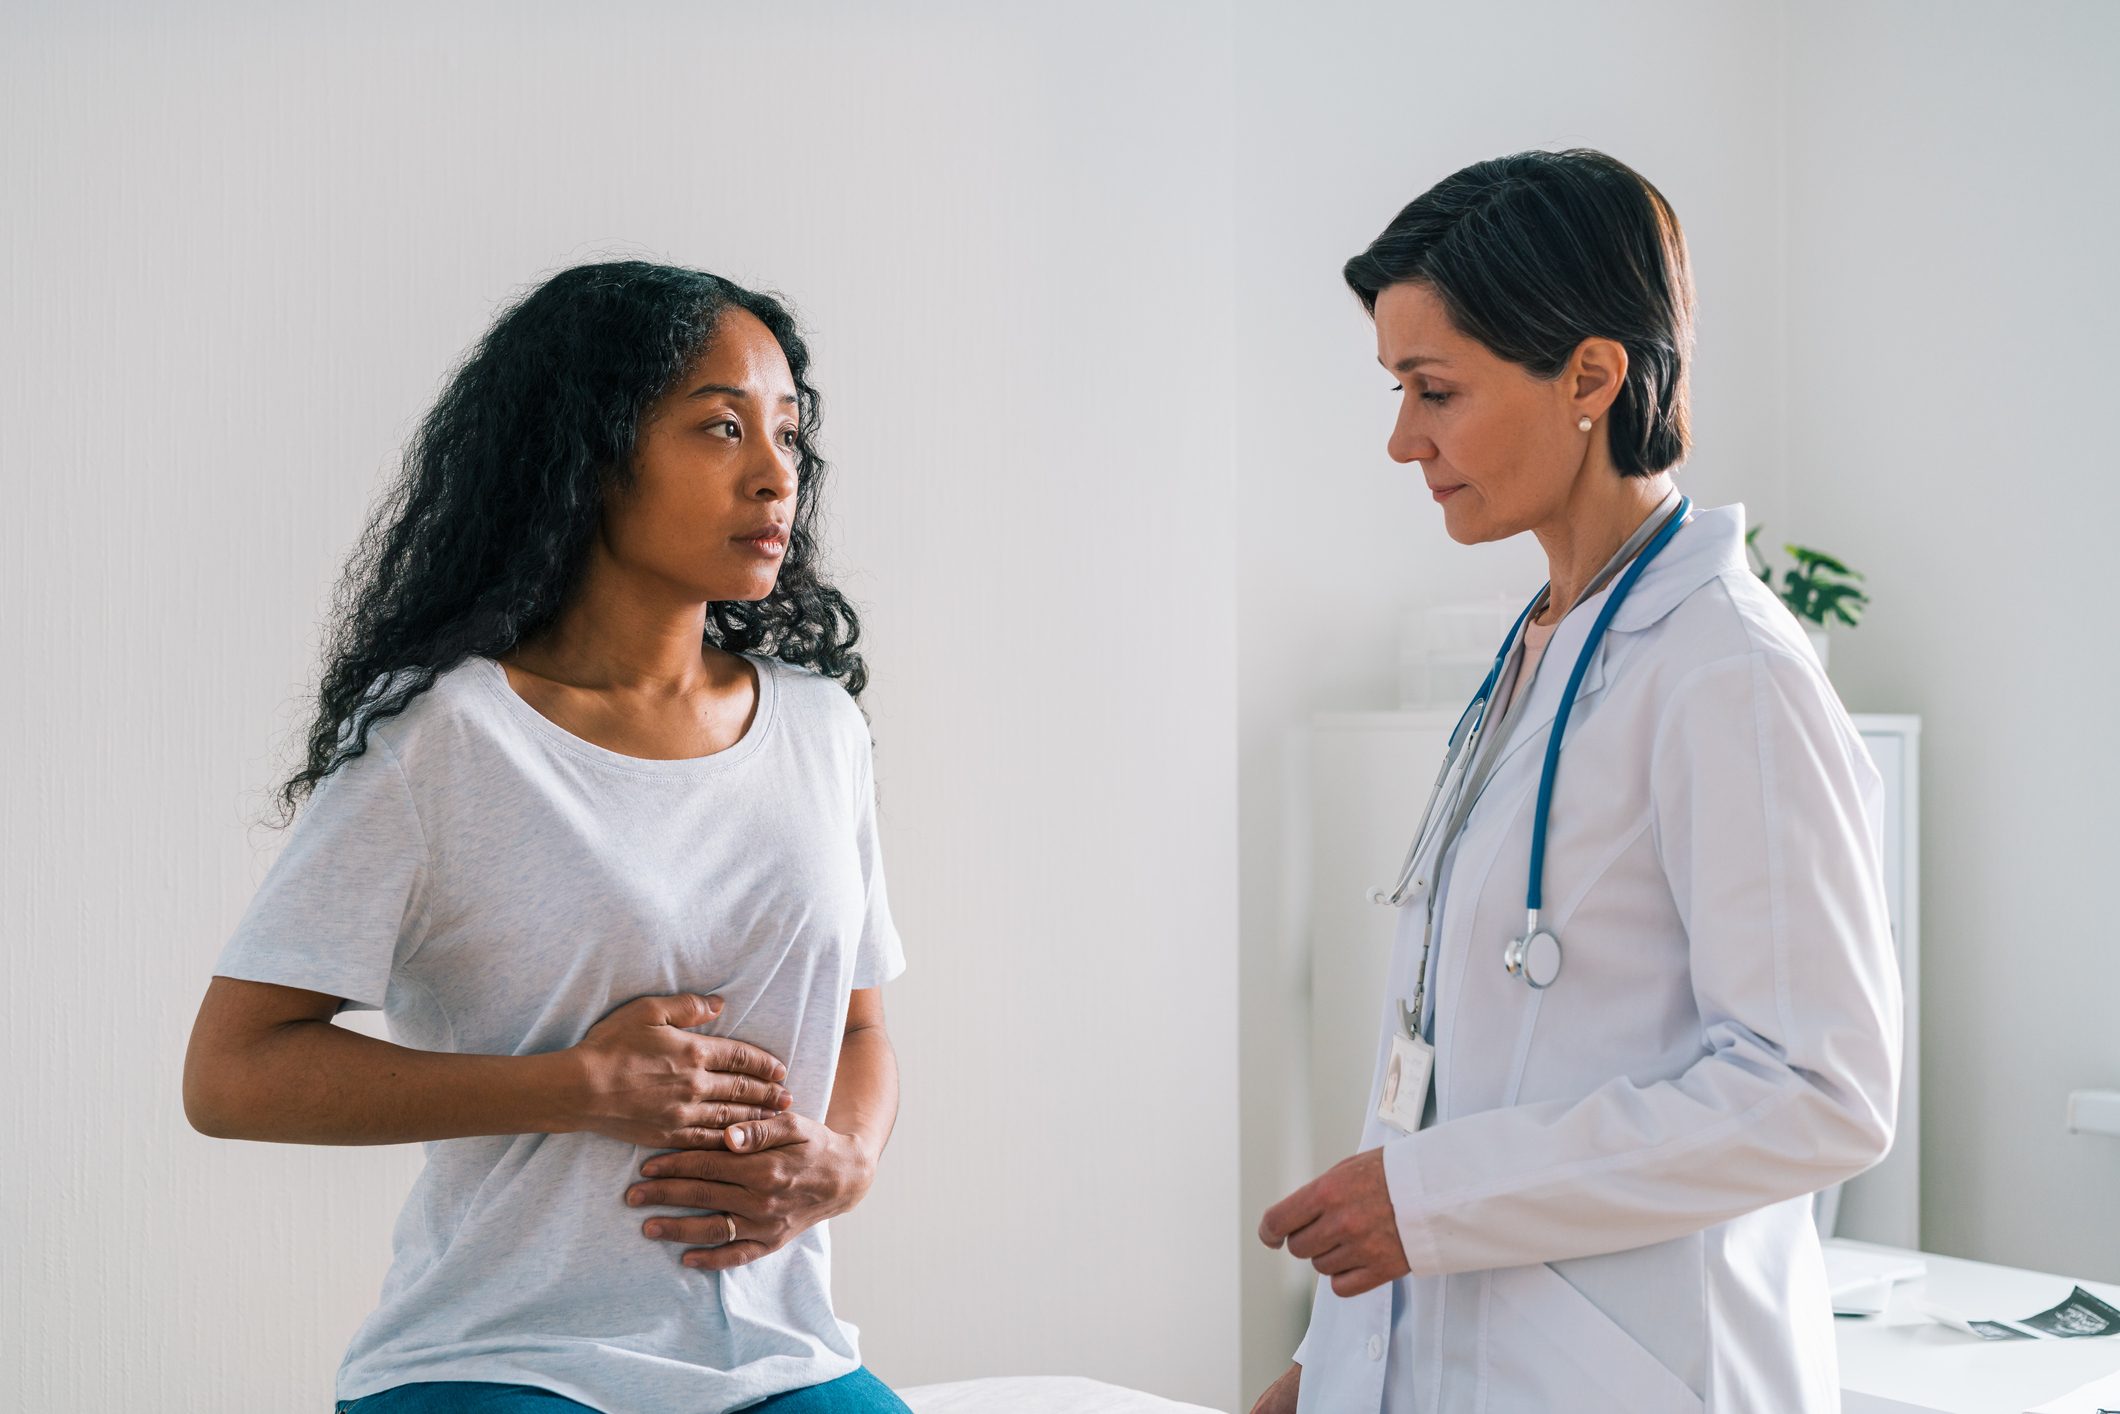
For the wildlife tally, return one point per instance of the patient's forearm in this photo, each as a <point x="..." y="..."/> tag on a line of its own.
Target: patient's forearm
<point x="310" y="1082"/>
<point x="865" y="1091"/>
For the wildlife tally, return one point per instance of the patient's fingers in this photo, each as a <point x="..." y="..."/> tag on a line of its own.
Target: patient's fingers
<point x="728" y="1053"/>
<point x="695" y="1138"/>
<point x="697" y="1162"/>
<point x="722" y="1115"/>
<point x="727" y="1255"/>
<point x="764" y="1134"/>
<point x="692" y="1193"/>
<point x="725" y="1085"/>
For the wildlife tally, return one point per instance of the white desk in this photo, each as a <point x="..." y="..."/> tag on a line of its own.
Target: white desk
<point x="1904" y="1363"/>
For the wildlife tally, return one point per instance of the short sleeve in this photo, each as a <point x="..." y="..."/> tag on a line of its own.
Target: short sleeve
<point x="343" y="902"/>
<point x="879" y="957"/>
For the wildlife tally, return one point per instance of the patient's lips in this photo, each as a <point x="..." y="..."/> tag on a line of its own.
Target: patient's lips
<point x="769" y="539"/>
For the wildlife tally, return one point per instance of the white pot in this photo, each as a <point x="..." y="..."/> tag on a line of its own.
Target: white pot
<point x="1820" y="642"/>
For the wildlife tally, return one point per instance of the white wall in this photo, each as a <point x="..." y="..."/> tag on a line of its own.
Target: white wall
<point x="1953" y="303"/>
<point x="1341" y="122"/>
<point x="242" y="248"/>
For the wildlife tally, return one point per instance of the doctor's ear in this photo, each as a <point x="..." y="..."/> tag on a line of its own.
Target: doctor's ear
<point x="1594" y="376"/>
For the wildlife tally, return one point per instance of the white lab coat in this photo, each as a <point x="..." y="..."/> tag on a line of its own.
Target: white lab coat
<point x="1609" y="1210"/>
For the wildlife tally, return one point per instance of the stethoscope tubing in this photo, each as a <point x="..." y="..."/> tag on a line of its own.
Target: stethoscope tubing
<point x="1457" y="753"/>
<point x="1551" y="765"/>
<point x="1462" y="747"/>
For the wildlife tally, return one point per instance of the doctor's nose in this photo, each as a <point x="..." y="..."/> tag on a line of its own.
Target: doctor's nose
<point x="1409" y="444"/>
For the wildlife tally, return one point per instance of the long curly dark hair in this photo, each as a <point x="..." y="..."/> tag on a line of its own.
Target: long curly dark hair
<point x="481" y="540"/>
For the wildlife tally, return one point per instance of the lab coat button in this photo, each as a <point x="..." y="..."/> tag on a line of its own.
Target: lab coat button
<point x="1376" y="1347"/>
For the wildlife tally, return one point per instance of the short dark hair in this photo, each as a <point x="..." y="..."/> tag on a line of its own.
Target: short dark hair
<point x="1533" y="253"/>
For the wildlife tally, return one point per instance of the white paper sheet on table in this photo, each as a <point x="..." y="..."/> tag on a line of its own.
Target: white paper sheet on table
<point x="1850" y="1269"/>
<point x="1861" y="1281"/>
<point x="1040" y="1394"/>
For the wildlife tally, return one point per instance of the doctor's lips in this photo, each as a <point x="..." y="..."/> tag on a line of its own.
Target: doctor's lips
<point x="1443" y="492"/>
<point x="770" y="539"/>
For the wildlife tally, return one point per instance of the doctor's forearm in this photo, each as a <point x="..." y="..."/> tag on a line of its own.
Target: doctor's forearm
<point x="1624" y="1168"/>
<point x="865" y="1091"/>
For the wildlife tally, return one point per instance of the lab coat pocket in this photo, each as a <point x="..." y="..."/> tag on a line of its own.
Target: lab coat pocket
<point x="1551" y="1347"/>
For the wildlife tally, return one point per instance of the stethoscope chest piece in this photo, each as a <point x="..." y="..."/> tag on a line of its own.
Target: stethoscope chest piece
<point x="1536" y="957"/>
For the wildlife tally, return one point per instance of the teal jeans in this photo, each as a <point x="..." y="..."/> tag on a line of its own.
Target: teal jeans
<point x="858" y="1393"/>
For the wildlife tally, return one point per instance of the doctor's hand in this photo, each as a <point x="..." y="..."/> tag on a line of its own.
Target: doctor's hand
<point x="777" y="1177"/>
<point x="1280" y="1396"/>
<point x="1342" y="1223"/>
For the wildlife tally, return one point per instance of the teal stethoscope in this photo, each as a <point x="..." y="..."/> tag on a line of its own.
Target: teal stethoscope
<point x="1535" y="955"/>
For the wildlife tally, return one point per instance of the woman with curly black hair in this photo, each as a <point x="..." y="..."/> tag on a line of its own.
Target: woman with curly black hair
<point x="591" y="819"/>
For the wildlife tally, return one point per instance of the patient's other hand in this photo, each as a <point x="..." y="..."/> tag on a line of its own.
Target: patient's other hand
<point x="1280" y="1396"/>
<point x="776" y="1178"/>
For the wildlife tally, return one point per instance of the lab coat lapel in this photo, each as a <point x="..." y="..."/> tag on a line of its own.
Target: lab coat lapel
<point x="1708" y="544"/>
<point x="1545" y="687"/>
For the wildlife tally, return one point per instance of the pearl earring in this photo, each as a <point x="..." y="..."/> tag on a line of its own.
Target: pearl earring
<point x="1582" y="424"/>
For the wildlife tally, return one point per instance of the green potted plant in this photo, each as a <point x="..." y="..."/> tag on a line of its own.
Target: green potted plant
<point x="1818" y="589"/>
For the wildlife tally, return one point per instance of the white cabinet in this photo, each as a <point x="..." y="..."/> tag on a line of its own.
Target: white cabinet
<point x="1884" y="1205"/>
<point x="1367" y="774"/>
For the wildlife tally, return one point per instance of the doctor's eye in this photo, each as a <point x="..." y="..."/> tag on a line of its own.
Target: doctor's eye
<point x="1398" y="387"/>
<point x="1435" y="397"/>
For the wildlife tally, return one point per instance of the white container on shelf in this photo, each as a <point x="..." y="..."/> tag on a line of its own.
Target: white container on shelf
<point x="1445" y="650"/>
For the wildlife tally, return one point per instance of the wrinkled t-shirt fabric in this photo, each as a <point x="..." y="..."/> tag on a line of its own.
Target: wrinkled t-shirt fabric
<point x="495" y="884"/>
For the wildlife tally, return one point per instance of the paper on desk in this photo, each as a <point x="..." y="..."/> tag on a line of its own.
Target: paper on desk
<point x="2081" y="1314"/>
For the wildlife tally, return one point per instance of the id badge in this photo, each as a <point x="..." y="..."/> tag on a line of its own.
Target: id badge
<point x="1406" y="1077"/>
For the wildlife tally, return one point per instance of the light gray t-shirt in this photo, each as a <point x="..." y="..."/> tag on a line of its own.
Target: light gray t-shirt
<point x="497" y="885"/>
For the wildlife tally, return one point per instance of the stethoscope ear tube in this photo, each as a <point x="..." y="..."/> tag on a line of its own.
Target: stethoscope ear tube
<point x="1456" y="755"/>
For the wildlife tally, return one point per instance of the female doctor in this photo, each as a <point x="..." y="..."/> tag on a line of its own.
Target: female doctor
<point x="1643" y="999"/>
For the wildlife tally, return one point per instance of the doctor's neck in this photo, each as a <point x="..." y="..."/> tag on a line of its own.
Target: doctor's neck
<point x="1602" y="510"/>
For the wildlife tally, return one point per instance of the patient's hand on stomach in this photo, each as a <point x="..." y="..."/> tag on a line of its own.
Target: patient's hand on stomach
<point x="644" y="1080"/>
<point x="774" y="1179"/>
<point x="755" y="1179"/>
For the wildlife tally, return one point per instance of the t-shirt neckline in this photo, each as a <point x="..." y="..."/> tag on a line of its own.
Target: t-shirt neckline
<point x="496" y="678"/>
